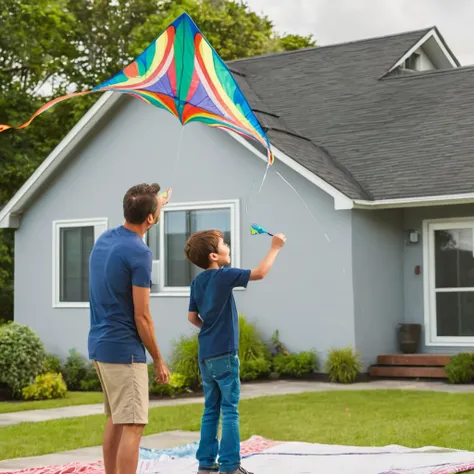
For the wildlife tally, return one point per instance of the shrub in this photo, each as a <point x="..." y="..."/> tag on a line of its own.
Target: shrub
<point x="176" y="385"/>
<point x="51" y="364"/>
<point x="184" y="361"/>
<point x="255" y="358"/>
<point x="461" y="368"/>
<point x="74" y="370"/>
<point x="276" y="346"/>
<point x="46" y="387"/>
<point x="295" y="365"/>
<point x="343" y="365"/>
<point x="91" y="382"/>
<point x="255" y="369"/>
<point x="22" y="356"/>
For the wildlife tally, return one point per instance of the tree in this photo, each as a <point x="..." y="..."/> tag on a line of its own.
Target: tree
<point x="50" y="47"/>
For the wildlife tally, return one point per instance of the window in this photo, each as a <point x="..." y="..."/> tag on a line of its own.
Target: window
<point x="72" y="244"/>
<point x="152" y="239"/>
<point x="177" y="223"/>
<point x="449" y="282"/>
<point x="413" y="62"/>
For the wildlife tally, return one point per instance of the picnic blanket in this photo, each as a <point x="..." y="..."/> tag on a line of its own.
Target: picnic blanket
<point x="264" y="456"/>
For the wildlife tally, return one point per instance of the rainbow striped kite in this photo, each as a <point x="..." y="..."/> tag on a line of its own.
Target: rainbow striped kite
<point x="182" y="73"/>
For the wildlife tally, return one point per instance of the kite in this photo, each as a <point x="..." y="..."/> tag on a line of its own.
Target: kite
<point x="256" y="229"/>
<point x="181" y="72"/>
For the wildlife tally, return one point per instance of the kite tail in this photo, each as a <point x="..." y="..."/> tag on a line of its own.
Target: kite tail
<point x="42" y="109"/>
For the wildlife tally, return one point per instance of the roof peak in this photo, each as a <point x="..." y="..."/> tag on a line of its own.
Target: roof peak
<point x="422" y="32"/>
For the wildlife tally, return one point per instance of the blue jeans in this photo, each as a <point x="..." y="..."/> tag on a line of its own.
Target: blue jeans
<point x="221" y="382"/>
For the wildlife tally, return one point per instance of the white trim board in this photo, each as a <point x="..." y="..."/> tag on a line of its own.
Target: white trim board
<point x="429" y="293"/>
<point x="431" y="34"/>
<point x="424" y="201"/>
<point x="341" y="201"/>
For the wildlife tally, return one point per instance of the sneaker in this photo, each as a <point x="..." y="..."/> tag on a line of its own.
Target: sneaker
<point x="240" y="470"/>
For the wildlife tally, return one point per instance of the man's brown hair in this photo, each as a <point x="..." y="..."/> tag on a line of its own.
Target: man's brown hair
<point x="200" y="245"/>
<point x="139" y="202"/>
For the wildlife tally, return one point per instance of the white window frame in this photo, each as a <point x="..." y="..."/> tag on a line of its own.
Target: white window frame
<point x="429" y="282"/>
<point x="232" y="204"/>
<point x="100" y="225"/>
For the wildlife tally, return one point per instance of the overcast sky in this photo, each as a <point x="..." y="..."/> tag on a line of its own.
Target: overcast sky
<point x="336" y="21"/>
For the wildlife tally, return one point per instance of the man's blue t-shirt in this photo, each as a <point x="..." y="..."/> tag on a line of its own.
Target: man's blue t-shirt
<point x="213" y="299"/>
<point x="118" y="260"/>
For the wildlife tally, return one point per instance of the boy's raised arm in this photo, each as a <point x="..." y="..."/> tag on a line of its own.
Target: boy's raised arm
<point x="261" y="271"/>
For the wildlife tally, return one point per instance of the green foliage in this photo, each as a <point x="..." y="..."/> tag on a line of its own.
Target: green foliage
<point x="22" y="356"/>
<point x="255" y="369"/>
<point x="91" y="382"/>
<point x="343" y="365"/>
<point x="74" y="370"/>
<point x="177" y="384"/>
<point x="276" y="346"/>
<point x="296" y="42"/>
<point x="46" y="387"/>
<point x="51" y="364"/>
<point x="184" y="361"/>
<point x="461" y="368"/>
<point x="254" y="355"/>
<point x="295" y="365"/>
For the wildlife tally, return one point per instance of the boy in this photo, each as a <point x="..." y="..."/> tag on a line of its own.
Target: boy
<point x="212" y="309"/>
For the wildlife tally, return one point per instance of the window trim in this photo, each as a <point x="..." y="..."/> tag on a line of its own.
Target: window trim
<point x="429" y="293"/>
<point x="56" y="254"/>
<point x="232" y="204"/>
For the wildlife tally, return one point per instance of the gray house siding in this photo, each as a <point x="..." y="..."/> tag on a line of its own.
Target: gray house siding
<point x="378" y="281"/>
<point x="414" y="291"/>
<point x="307" y="296"/>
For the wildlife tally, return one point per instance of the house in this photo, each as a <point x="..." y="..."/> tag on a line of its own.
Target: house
<point x="375" y="136"/>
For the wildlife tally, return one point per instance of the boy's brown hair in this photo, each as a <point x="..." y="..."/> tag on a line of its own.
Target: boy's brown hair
<point x="200" y="245"/>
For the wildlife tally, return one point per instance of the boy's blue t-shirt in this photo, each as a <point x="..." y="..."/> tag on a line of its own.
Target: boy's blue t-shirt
<point x="118" y="260"/>
<point x="212" y="297"/>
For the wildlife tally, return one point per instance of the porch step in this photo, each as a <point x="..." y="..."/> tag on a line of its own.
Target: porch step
<point x="408" y="372"/>
<point x="427" y="360"/>
<point x="410" y="366"/>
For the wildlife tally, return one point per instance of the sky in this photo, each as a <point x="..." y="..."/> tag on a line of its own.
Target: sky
<point x="337" y="21"/>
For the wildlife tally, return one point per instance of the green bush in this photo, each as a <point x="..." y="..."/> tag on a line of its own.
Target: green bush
<point x="176" y="385"/>
<point x="51" y="364"/>
<point x="46" y="387"/>
<point x="255" y="358"/>
<point x="255" y="369"/>
<point x="74" y="370"/>
<point x="343" y="365"/>
<point x="91" y="382"/>
<point x="295" y="365"/>
<point x="184" y="361"/>
<point x="461" y="368"/>
<point x="22" y="356"/>
<point x="276" y="346"/>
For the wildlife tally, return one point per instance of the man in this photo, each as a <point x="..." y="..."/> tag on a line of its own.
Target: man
<point x="122" y="326"/>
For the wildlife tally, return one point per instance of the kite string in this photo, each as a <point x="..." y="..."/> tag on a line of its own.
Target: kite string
<point x="304" y="202"/>
<point x="178" y="155"/>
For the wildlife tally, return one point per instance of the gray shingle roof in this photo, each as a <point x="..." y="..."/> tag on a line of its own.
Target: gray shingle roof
<point x="368" y="136"/>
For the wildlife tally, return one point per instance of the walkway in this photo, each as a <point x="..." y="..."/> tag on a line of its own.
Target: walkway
<point x="252" y="390"/>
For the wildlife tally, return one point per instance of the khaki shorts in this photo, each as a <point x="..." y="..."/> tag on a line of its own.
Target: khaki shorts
<point x="125" y="388"/>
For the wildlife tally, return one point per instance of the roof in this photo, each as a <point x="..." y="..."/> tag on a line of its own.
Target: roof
<point x="340" y="117"/>
<point x="397" y="137"/>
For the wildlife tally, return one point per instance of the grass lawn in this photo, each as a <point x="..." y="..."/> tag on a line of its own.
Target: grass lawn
<point x="375" y="418"/>
<point x="71" y="399"/>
